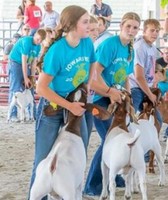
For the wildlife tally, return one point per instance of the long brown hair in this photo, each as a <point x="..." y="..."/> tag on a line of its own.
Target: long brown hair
<point x="68" y="21"/>
<point x="130" y="16"/>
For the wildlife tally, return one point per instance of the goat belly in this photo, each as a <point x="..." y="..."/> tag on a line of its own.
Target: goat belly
<point x="117" y="150"/>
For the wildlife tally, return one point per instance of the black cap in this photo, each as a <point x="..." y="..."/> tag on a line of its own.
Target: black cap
<point x="17" y="36"/>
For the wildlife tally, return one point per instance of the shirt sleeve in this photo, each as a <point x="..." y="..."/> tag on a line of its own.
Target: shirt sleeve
<point x="104" y="55"/>
<point x="109" y="11"/>
<point x="140" y="56"/>
<point x="50" y="66"/>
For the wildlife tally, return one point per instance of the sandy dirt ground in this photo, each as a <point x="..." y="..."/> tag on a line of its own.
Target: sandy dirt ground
<point x="16" y="158"/>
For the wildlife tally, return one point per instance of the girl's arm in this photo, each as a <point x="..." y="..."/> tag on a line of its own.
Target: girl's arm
<point x="24" y="69"/>
<point x="43" y="89"/>
<point x="100" y="87"/>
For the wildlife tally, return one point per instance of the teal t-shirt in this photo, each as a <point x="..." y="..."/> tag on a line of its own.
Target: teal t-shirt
<point x="113" y="56"/>
<point x="68" y="65"/>
<point x="24" y="46"/>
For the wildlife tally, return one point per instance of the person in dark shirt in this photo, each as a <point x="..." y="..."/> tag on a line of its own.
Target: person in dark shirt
<point x="163" y="85"/>
<point x="163" y="61"/>
<point x="100" y="9"/>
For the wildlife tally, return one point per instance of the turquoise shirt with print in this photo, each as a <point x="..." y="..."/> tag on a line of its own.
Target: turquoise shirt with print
<point x="113" y="56"/>
<point x="68" y="65"/>
<point x="24" y="46"/>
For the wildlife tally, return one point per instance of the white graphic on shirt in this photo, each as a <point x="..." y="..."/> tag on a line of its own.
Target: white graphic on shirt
<point x="37" y="13"/>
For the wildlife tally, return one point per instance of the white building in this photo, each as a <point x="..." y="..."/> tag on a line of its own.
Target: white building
<point x="8" y="8"/>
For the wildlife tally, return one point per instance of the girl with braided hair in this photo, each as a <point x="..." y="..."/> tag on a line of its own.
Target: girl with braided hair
<point x="67" y="63"/>
<point x="114" y="64"/>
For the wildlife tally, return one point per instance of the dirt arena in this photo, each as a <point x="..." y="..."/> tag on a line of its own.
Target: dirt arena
<point x="16" y="158"/>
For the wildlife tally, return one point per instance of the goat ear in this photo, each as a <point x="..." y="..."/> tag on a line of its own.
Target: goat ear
<point x="131" y="111"/>
<point x="112" y="108"/>
<point x="98" y="111"/>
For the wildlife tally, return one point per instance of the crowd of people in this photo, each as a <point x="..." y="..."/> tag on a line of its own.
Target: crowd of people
<point x="76" y="47"/>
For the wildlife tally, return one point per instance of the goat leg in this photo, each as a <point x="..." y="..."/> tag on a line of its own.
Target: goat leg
<point x="151" y="161"/>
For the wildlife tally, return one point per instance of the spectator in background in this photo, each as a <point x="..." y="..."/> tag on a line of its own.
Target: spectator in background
<point x="103" y="32"/>
<point x="102" y="10"/>
<point x="51" y="17"/>
<point x="163" y="61"/>
<point x="10" y="45"/>
<point x="32" y="16"/>
<point x="163" y="85"/>
<point x="20" y="13"/>
<point x="93" y="28"/>
<point x="25" y="30"/>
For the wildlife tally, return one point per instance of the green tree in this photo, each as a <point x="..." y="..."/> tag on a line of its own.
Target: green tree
<point x="163" y="3"/>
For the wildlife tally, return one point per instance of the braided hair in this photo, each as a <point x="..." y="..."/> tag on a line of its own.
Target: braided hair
<point x="130" y="46"/>
<point x="68" y="21"/>
<point x="130" y="16"/>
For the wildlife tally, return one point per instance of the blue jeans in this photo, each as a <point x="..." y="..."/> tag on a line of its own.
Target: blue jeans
<point x="47" y="131"/>
<point x="138" y="96"/>
<point x="93" y="184"/>
<point x="33" y="31"/>
<point x="16" y="83"/>
<point x="166" y="132"/>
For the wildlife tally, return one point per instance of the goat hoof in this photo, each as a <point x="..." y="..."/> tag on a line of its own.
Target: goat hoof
<point x="151" y="171"/>
<point x="103" y="198"/>
<point x="136" y="192"/>
<point x="128" y="198"/>
<point x="161" y="184"/>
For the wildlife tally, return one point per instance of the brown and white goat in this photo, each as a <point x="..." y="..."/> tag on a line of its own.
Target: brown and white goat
<point x="150" y="109"/>
<point x="125" y="150"/>
<point x="149" y="127"/>
<point x="62" y="172"/>
<point x="122" y="151"/>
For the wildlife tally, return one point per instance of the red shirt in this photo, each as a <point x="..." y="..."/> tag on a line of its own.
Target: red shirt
<point x="33" y="14"/>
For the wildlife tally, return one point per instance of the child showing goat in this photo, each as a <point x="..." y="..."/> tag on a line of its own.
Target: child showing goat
<point x="62" y="171"/>
<point x="124" y="150"/>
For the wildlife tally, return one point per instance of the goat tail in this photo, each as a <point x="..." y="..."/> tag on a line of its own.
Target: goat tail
<point x="54" y="160"/>
<point x="133" y="140"/>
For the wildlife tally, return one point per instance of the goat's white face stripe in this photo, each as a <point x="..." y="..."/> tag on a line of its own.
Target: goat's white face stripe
<point x="78" y="95"/>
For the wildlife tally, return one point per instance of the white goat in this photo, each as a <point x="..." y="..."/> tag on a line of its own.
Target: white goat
<point x="149" y="141"/>
<point x="62" y="171"/>
<point x="22" y="100"/>
<point x="120" y="152"/>
<point x="166" y="153"/>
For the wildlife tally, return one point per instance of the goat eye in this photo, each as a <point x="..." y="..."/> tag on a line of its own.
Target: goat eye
<point x="78" y="95"/>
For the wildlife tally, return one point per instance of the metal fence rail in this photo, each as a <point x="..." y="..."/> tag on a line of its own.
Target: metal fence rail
<point x="9" y="27"/>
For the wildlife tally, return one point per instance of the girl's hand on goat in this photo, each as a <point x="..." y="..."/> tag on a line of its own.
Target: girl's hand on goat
<point x="115" y="95"/>
<point x="76" y="108"/>
<point x="153" y="98"/>
<point x="27" y="83"/>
